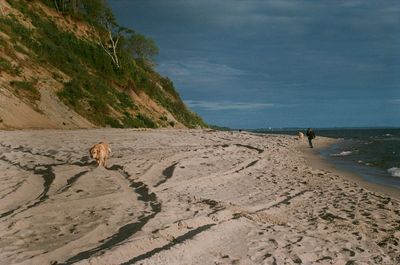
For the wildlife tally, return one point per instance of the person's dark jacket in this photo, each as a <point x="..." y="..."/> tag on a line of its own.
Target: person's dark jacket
<point x="310" y="134"/>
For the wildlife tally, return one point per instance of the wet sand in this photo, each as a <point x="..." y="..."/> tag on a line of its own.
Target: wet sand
<point x="187" y="197"/>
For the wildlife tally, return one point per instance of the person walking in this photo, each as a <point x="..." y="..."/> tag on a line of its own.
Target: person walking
<point x="310" y="135"/>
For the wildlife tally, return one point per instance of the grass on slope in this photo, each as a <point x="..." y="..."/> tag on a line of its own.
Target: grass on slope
<point x="92" y="89"/>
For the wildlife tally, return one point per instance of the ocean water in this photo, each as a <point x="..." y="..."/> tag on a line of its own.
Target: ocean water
<point x="374" y="154"/>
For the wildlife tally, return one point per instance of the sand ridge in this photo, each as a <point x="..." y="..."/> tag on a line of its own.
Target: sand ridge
<point x="184" y="197"/>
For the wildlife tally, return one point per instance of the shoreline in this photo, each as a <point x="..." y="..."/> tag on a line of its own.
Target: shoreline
<point x="317" y="161"/>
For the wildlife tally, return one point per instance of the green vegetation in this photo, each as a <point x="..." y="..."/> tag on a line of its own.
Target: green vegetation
<point x="7" y="67"/>
<point x="26" y="90"/>
<point x="102" y="71"/>
<point x="139" y="121"/>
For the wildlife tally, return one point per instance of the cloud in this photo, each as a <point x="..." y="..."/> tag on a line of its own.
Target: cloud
<point x="194" y="65"/>
<point x="299" y="52"/>
<point x="241" y="16"/>
<point x="200" y="71"/>
<point x="240" y="6"/>
<point x="227" y="105"/>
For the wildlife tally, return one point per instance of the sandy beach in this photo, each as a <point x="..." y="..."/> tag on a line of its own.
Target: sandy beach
<point x="187" y="197"/>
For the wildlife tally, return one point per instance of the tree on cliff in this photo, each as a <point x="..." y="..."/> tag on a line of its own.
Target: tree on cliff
<point x="109" y="38"/>
<point x="67" y="5"/>
<point x="142" y="48"/>
<point x="117" y="40"/>
<point x="114" y="39"/>
<point x="98" y="12"/>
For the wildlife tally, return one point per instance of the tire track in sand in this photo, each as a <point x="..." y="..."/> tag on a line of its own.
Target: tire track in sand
<point x="127" y="230"/>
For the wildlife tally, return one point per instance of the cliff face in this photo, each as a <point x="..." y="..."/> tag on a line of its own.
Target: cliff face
<point x="56" y="72"/>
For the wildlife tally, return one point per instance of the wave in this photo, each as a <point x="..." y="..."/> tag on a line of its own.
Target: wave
<point x="364" y="163"/>
<point x="394" y="171"/>
<point x="344" y="153"/>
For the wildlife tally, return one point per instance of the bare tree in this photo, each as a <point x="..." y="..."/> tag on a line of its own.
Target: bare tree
<point x="116" y="41"/>
<point x="56" y="5"/>
<point x="65" y="5"/>
<point x="110" y="38"/>
<point x="110" y="46"/>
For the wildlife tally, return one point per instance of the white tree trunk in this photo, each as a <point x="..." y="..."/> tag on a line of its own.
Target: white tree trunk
<point x="110" y="49"/>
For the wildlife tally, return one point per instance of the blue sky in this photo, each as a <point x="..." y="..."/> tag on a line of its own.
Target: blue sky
<point x="277" y="63"/>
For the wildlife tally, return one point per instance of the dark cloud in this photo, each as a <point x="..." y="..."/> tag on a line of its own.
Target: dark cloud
<point x="331" y="63"/>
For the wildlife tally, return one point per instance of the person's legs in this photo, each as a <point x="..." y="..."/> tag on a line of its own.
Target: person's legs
<point x="310" y="143"/>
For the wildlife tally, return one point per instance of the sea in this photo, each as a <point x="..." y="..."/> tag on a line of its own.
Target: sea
<point x="372" y="153"/>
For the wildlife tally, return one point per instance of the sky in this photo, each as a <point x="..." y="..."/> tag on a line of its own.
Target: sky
<point x="277" y="63"/>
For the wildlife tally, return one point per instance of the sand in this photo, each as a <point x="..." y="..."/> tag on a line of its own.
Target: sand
<point x="186" y="197"/>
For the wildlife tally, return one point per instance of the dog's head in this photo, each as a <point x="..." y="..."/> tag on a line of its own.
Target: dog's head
<point x="94" y="152"/>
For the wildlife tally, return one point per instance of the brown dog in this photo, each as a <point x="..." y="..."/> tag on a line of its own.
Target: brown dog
<point x="100" y="152"/>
